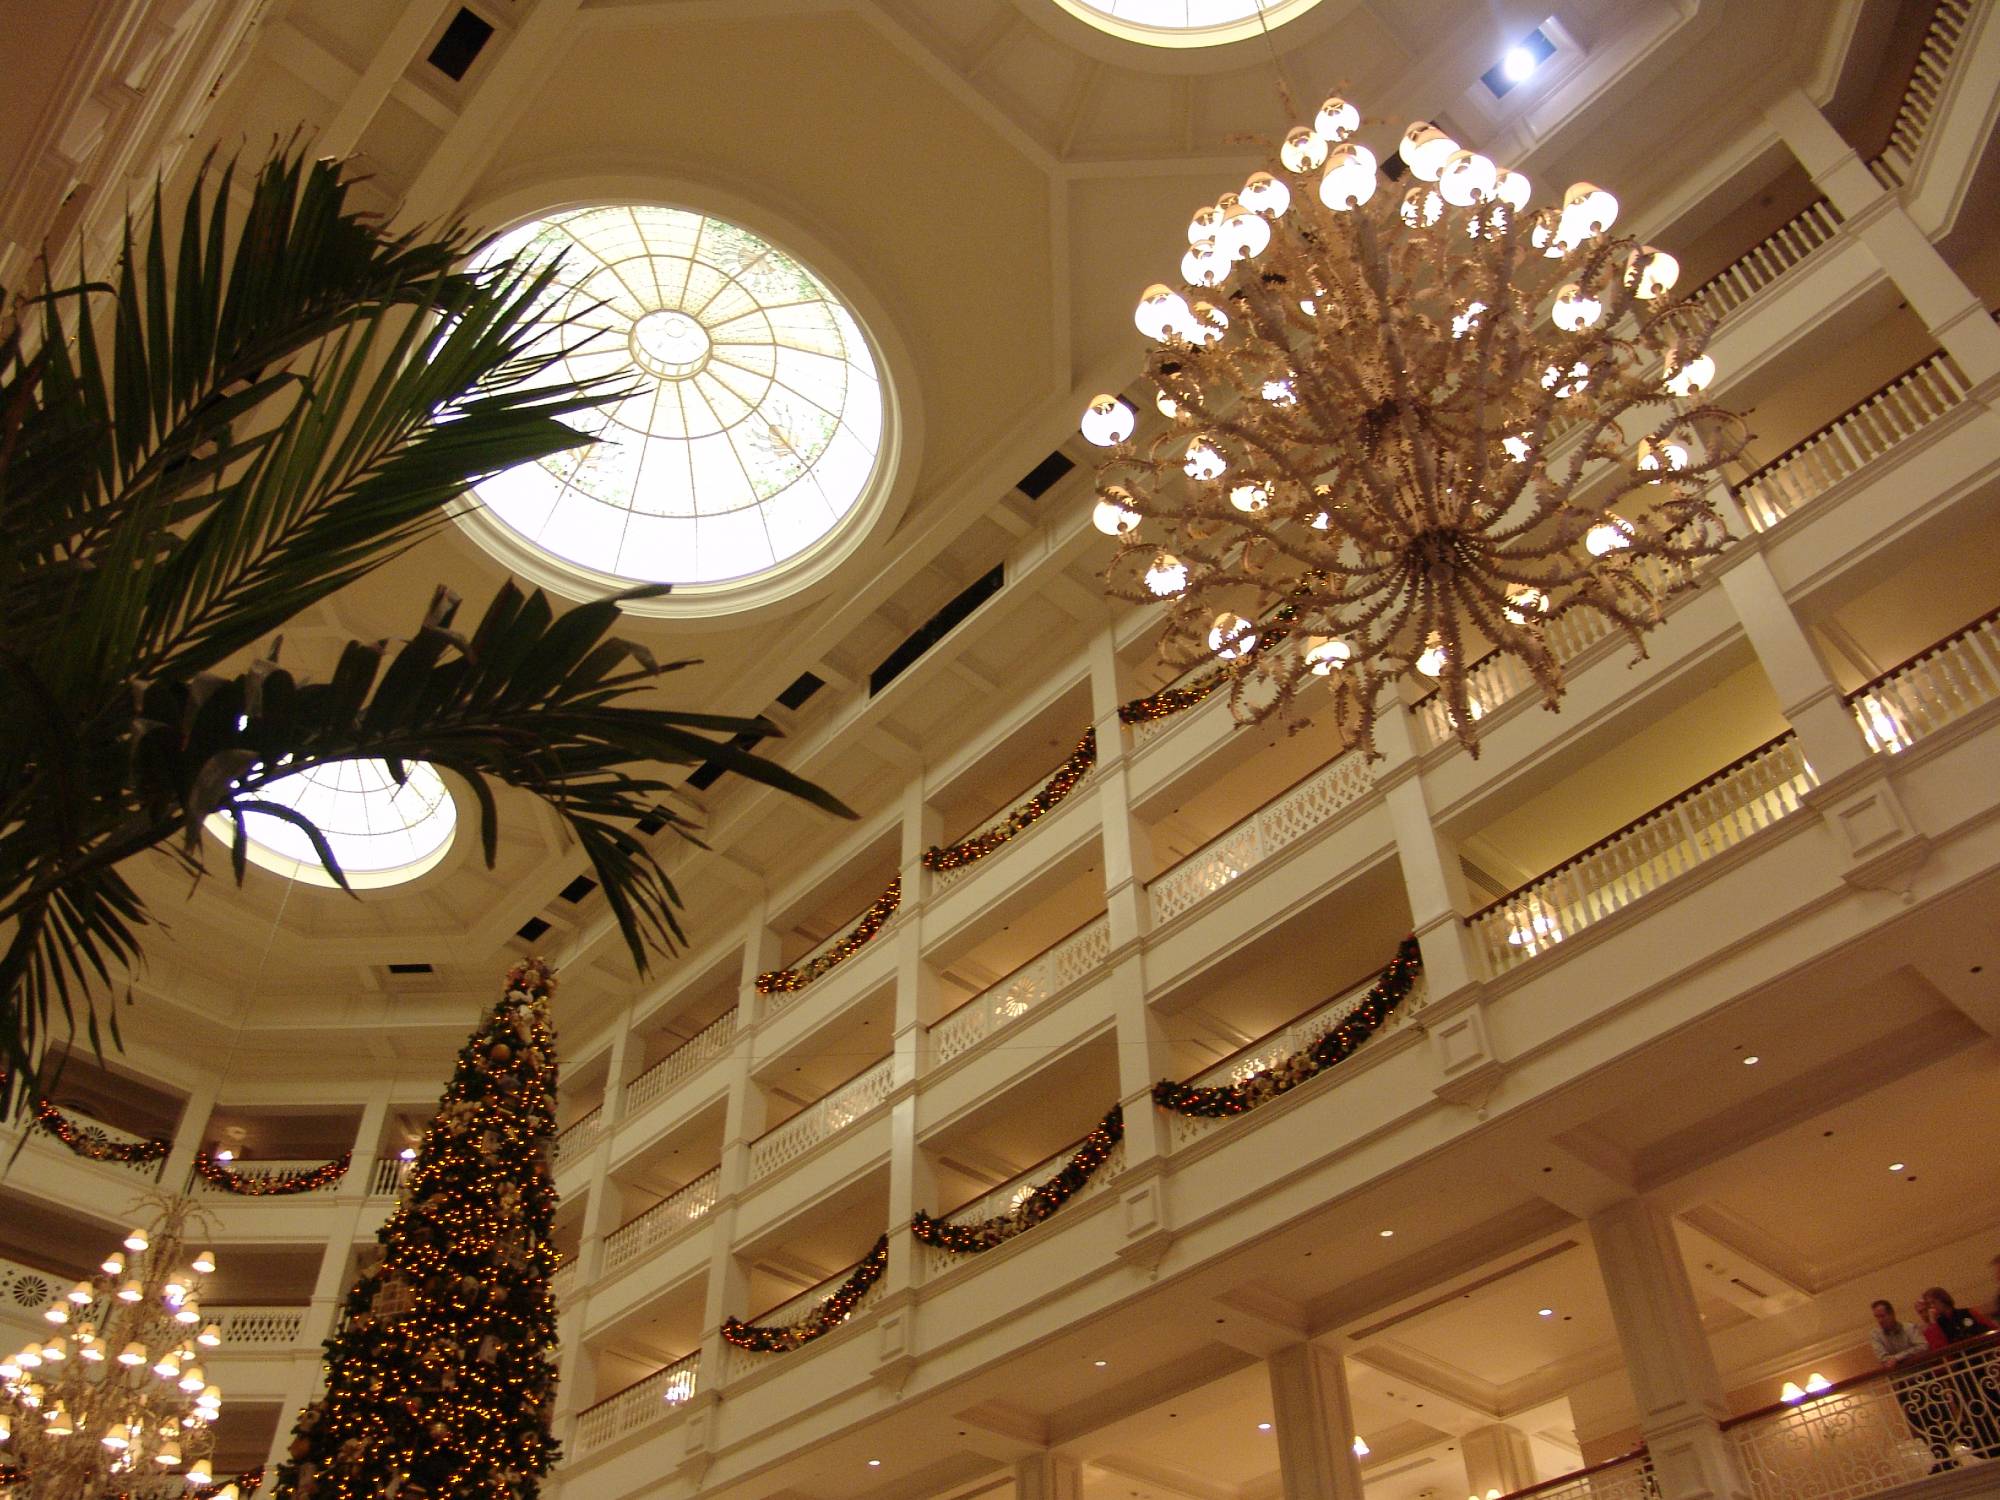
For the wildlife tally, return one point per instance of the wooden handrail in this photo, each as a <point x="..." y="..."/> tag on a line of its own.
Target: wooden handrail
<point x="1360" y="982"/>
<point x="1943" y="644"/>
<point x="649" y="1375"/>
<point x="688" y="1186"/>
<point x="1613" y="837"/>
<point x="1988" y="1341"/>
<point x="825" y="1284"/>
<point x="1825" y="427"/>
<point x="1575" y="1474"/>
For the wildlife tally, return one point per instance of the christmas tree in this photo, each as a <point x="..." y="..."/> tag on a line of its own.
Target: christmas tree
<point x="442" y="1382"/>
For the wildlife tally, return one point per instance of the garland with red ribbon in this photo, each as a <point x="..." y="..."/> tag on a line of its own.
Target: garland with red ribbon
<point x="1022" y="818"/>
<point x="1215" y="1103"/>
<point x="278" y="1185"/>
<point x="763" y="1338"/>
<point x="975" y="1239"/>
<point x="94" y="1144"/>
<point x="790" y="981"/>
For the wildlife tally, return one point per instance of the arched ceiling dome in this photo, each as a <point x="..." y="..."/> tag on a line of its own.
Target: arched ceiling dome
<point x="755" y="421"/>
<point x="381" y="833"/>
<point x="1185" y="23"/>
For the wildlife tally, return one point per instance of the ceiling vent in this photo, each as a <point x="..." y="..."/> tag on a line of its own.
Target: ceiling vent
<point x="411" y="969"/>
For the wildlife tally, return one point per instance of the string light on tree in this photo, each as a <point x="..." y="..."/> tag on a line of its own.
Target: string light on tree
<point x="1401" y="415"/>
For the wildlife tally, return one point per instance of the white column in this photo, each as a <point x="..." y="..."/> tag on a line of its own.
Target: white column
<point x="367" y="1146"/>
<point x="1675" y="1387"/>
<point x="1497" y="1458"/>
<point x="1953" y="314"/>
<point x="1433" y="876"/>
<point x="1313" y="1424"/>
<point x="1048" y="1476"/>
<point x="1127" y="860"/>
<point x="190" y="1133"/>
<point x="1806" y="692"/>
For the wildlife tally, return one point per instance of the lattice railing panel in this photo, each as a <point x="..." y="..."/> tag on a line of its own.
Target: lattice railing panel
<point x="664" y="1221"/>
<point x="640" y="1404"/>
<point x="681" y="1064"/>
<point x="1047" y="974"/>
<point x="820" y="1120"/>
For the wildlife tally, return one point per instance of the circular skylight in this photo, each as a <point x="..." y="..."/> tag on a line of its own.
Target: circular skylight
<point x="381" y="833"/>
<point x="1185" y="23"/>
<point x="755" y="417"/>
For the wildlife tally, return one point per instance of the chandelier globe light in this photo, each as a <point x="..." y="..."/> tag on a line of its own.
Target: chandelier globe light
<point x="1400" y="431"/>
<point x="79" y="1428"/>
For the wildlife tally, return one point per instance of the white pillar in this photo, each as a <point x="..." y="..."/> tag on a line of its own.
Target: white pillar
<point x="1497" y="1457"/>
<point x="1807" y="694"/>
<point x="1314" y="1424"/>
<point x="1048" y="1476"/>
<point x="1675" y="1387"/>
<point x="1953" y="314"/>
<point x="1433" y="876"/>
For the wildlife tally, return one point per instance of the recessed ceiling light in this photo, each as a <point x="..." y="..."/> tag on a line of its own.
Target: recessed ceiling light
<point x="1100" y="1363"/>
<point x="1895" y="1166"/>
<point x="1752" y="1060"/>
<point x="874" y="1463"/>
<point x="1388" y="1234"/>
<point x="1518" y="64"/>
<point x="1545" y="1312"/>
<point x="1263" y="1426"/>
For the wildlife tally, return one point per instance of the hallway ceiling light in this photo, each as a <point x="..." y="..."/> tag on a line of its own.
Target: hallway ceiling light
<point x="1388" y="1234"/>
<point x="1360" y="1448"/>
<point x="1453" y="427"/>
<point x="1752" y="1060"/>
<point x="1545" y="1312"/>
<point x="1897" y="1166"/>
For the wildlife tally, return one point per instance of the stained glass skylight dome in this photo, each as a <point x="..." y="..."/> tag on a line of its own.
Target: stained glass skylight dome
<point x="757" y="419"/>
<point x="1185" y="23"/>
<point x="381" y="833"/>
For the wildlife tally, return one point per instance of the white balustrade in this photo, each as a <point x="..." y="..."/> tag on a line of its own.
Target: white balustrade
<point x="997" y="1202"/>
<point x="1288" y="1040"/>
<point x="1899" y="411"/>
<point x="640" y="1404"/>
<point x="563" y="1282"/>
<point x="662" y="1222"/>
<point x="1307" y="805"/>
<point x="1711" y="816"/>
<point x="1628" y="1478"/>
<point x="579" y="1136"/>
<point x="1876" y="1432"/>
<point x="1942" y="40"/>
<point x="944" y="880"/>
<point x="97" y="1130"/>
<point x="781" y="1000"/>
<point x="681" y="1064"/>
<point x="1037" y="981"/>
<point x="264" y="1168"/>
<point x="1768" y="259"/>
<point x="1946" y="682"/>
<point x="246" y="1330"/>
<point x="391" y="1172"/>
<point x="820" y="1120"/>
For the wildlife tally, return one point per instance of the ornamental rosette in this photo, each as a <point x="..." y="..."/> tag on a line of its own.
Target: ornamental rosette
<point x="1404" y="428"/>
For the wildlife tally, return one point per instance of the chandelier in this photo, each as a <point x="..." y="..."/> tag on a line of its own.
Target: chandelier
<point x="1407" y="427"/>
<point x="115" y="1402"/>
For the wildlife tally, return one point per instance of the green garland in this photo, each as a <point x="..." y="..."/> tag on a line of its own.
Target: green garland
<point x="1022" y="818"/>
<point x="93" y="1144"/>
<point x="791" y="981"/>
<point x="975" y="1239"/>
<point x="1171" y="700"/>
<point x="762" y="1338"/>
<point x="278" y="1185"/>
<point x="1388" y="992"/>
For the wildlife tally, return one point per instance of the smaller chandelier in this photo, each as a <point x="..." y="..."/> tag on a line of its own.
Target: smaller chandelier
<point x="119" y="1392"/>
<point x="1407" y="430"/>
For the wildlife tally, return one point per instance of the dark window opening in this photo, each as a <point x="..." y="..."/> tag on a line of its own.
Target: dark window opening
<point x="577" y="889"/>
<point x="411" y="969"/>
<point x="935" y="629"/>
<point x="794" y="697"/>
<point x="531" y="929"/>
<point x="463" y="40"/>
<point x="1036" y="482"/>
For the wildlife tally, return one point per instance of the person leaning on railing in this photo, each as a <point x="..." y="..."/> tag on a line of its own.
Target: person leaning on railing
<point x="1926" y="1404"/>
<point x="1975" y="1384"/>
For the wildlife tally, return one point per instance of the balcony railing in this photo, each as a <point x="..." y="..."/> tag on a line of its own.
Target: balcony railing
<point x="682" y="1063"/>
<point x="563" y="1282"/>
<point x="1877" y="1431"/>
<point x="1627" y="1478"/>
<point x="579" y="1136"/>
<point x="944" y="880"/>
<point x="1924" y="92"/>
<point x="390" y="1174"/>
<point x="245" y="1330"/>
<point x="1768" y="259"/>
<point x="640" y="1404"/>
<point x="265" y="1167"/>
<point x="1011" y="1194"/>
<point x="662" y="1222"/>
<point x="1042" y="977"/>
<point x="1289" y="816"/>
<point x="1273" y="1047"/>
<point x="820" y="1120"/>
<point x="1939" y="684"/>
<point x="94" y="1126"/>
<point x="1690" y="829"/>
<point x="1871" y="427"/>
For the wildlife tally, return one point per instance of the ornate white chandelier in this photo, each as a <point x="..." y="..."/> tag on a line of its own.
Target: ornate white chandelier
<point x="1406" y="429"/>
<point x="117" y="1392"/>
